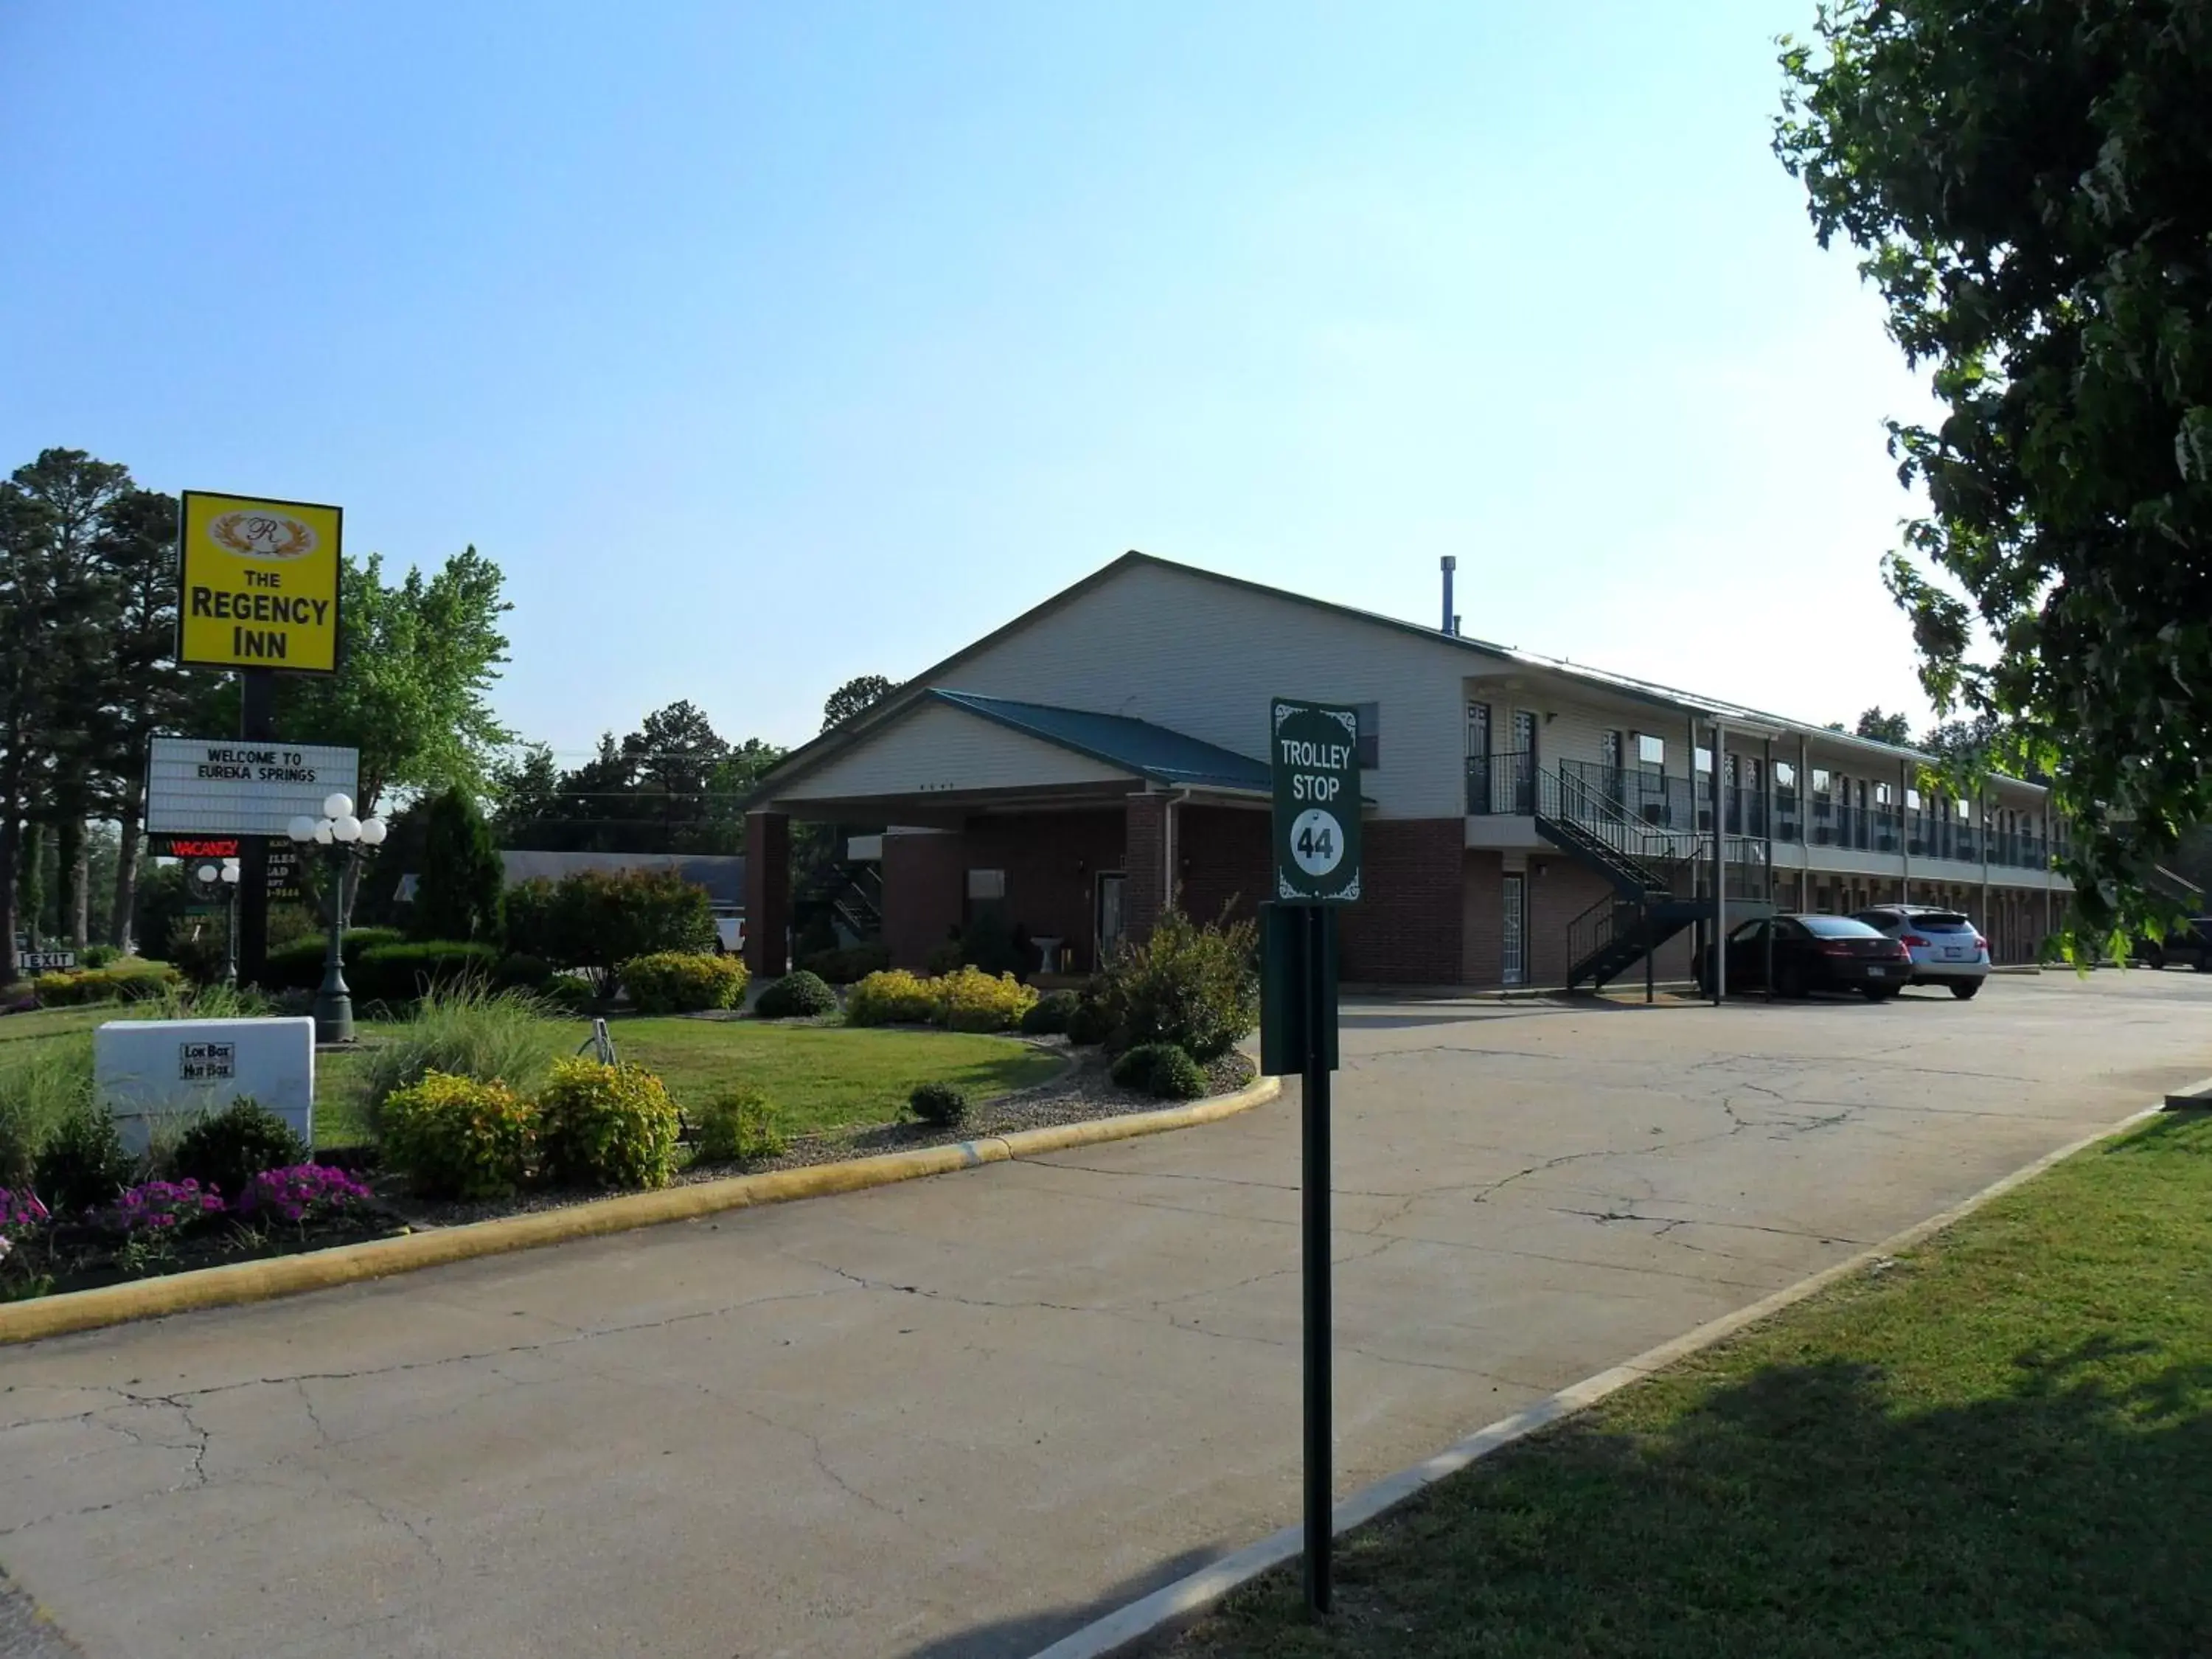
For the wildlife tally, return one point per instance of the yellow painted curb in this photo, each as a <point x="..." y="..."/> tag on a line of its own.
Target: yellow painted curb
<point x="344" y="1264"/>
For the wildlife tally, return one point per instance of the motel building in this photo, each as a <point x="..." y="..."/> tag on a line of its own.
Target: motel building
<point x="1527" y="822"/>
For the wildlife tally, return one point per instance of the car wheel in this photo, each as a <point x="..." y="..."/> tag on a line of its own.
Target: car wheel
<point x="2204" y="962"/>
<point x="1964" y="989"/>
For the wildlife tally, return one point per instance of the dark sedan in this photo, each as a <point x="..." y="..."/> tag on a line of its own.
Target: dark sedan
<point x="1812" y="953"/>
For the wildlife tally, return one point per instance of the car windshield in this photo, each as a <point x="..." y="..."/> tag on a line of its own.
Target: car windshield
<point x="1837" y="927"/>
<point x="1939" y="921"/>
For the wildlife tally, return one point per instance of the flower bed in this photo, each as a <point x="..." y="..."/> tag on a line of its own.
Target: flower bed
<point x="168" y="1226"/>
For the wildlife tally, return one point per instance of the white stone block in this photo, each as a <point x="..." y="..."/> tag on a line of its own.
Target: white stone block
<point x="146" y="1069"/>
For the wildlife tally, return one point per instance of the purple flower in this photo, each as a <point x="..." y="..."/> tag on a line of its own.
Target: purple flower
<point x="20" y="1211"/>
<point x="303" y="1191"/>
<point x="154" y="1204"/>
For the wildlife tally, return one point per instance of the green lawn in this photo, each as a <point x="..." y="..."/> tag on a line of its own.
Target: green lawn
<point x="2000" y="1446"/>
<point x="822" y="1077"/>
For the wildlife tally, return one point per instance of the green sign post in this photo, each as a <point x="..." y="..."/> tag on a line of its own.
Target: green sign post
<point x="1314" y="752"/>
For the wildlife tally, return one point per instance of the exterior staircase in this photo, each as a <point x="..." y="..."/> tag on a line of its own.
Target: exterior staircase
<point x="853" y="894"/>
<point x="1662" y="879"/>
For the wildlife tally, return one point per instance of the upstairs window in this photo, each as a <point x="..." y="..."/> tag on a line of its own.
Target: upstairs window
<point x="1371" y="737"/>
<point x="1651" y="752"/>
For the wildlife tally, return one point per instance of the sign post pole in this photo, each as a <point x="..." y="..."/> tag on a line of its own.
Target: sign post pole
<point x="1314" y="752"/>
<point x="256" y="700"/>
<point x="1313" y="1174"/>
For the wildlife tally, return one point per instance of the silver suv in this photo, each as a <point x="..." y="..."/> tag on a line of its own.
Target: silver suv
<point x="1946" y="949"/>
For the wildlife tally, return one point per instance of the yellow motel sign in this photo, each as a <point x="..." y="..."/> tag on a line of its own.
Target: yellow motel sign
<point x="259" y="584"/>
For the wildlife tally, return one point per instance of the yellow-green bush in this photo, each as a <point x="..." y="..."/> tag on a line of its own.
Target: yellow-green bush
<point x="737" y="1125"/>
<point x="683" y="982"/>
<point x="141" y="982"/>
<point x="970" y="1000"/>
<point x="453" y="1137"/>
<point x="606" y="1126"/>
<point x="894" y="997"/>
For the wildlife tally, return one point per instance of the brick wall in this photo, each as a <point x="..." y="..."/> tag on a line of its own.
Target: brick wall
<point x="1482" y="919"/>
<point x="1406" y="928"/>
<point x="1559" y="890"/>
<point x="1144" y="855"/>
<point x="1052" y="861"/>
<point x="923" y="893"/>
<point x="1222" y="855"/>
<point x="767" y="894"/>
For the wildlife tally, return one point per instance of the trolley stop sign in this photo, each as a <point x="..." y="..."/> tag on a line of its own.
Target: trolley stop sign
<point x="1314" y="752"/>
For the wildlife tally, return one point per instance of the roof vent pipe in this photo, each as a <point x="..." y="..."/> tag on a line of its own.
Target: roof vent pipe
<point x="1451" y="623"/>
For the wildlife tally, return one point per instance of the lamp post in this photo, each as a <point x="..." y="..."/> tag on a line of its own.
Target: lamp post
<point x="348" y="841"/>
<point x="228" y="876"/>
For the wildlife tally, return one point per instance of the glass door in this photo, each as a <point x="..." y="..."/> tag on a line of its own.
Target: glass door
<point x="1515" y="930"/>
<point x="1113" y="889"/>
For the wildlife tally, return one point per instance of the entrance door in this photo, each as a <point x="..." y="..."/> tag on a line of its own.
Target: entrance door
<point x="1515" y="930"/>
<point x="1478" y="758"/>
<point x="1524" y="762"/>
<point x="1109" y="914"/>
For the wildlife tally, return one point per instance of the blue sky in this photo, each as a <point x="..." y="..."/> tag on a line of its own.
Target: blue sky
<point x="767" y="345"/>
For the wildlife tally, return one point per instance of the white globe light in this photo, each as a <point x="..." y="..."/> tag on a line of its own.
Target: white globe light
<point x="210" y="871"/>
<point x="301" y="828"/>
<point x="346" y="826"/>
<point x="338" y="806"/>
<point x="230" y="872"/>
<point x="323" y="832"/>
<point x="372" y="832"/>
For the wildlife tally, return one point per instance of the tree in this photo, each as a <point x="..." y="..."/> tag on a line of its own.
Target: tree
<point x="2030" y="184"/>
<point x="456" y="896"/>
<point x="856" y="694"/>
<point x="673" y="785"/>
<point x="1885" y="728"/>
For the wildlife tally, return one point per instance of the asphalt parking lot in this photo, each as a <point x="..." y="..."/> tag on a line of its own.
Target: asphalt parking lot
<point x="961" y="1416"/>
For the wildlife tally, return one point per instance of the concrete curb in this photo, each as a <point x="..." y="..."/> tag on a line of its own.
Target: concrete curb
<point x="2195" y="1094"/>
<point x="346" y="1264"/>
<point x="1185" y="1599"/>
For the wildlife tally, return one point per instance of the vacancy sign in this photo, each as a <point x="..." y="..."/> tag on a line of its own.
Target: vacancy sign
<point x="1314" y="753"/>
<point x="240" y="787"/>
<point x="259" y="584"/>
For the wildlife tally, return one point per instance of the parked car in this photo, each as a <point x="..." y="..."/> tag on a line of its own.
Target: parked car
<point x="2192" y="947"/>
<point x="1812" y="953"/>
<point x="1946" y="948"/>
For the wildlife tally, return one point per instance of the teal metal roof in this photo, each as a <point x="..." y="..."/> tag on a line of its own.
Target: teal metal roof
<point x="1137" y="747"/>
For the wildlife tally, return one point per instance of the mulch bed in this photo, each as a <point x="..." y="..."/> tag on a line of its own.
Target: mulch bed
<point x="82" y="1257"/>
<point x="1076" y="1097"/>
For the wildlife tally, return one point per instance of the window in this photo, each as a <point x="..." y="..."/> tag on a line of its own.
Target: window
<point x="987" y="883"/>
<point x="1785" y="775"/>
<point x="1650" y="752"/>
<point x="1702" y="760"/>
<point x="1881" y="795"/>
<point x="1371" y="740"/>
<point x="1821" y="782"/>
<point x="1912" y="801"/>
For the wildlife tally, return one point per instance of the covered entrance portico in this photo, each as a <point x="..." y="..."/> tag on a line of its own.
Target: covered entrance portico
<point x="1077" y="826"/>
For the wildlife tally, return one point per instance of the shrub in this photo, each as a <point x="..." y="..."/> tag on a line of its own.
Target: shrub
<point x="297" y="965"/>
<point x="302" y="1192"/>
<point x="683" y="982"/>
<point x="595" y="920"/>
<point x="141" y="982"/>
<point x="801" y="995"/>
<point x="456" y="1137"/>
<point x="1161" y="1069"/>
<point x="894" y="997"/>
<point x="944" y="959"/>
<point x="1189" y="985"/>
<point x="456" y="896"/>
<point x="84" y="1165"/>
<point x="1090" y="1023"/>
<point x="197" y="952"/>
<point x="606" y="1126"/>
<point x="970" y="1000"/>
<point x="97" y="956"/>
<point x="565" y="993"/>
<point x="737" y="1125"/>
<point x="847" y="964"/>
<point x="226" y="1150"/>
<point x="939" y="1103"/>
<point x="522" y="972"/>
<point x="989" y="945"/>
<point x="1051" y="1014"/>
<point x="402" y="973"/>
<point x="467" y="1032"/>
<point x="42" y="1083"/>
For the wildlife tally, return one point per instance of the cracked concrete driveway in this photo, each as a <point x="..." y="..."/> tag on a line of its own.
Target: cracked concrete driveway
<point x="960" y="1416"/>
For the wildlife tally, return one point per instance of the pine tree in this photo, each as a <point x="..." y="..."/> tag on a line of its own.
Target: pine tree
<point x="456" y="896"/>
